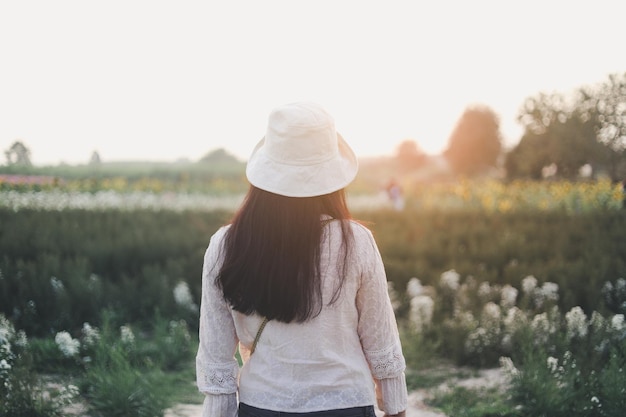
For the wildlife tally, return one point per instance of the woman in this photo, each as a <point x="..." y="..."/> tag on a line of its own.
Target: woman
<point x="298" y="288"/>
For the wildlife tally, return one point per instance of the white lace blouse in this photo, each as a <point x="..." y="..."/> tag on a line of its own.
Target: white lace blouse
<point x="348" y="356"/>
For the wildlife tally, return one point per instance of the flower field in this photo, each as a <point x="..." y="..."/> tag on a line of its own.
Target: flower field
<point x="99" y="291"/>
<point x="488" y="195"/>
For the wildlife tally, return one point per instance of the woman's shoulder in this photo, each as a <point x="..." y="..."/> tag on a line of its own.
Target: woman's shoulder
<point x="361" y="234"/>
<point x="217" y="239"/>
<point x="359" y="228"/>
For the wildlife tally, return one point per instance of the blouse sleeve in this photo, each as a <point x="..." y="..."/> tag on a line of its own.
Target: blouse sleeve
<point x="216" y="366"/>
<point x="378" y="330"/>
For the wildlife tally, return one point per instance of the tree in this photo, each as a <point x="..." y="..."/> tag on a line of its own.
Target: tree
<point x="605" y="106"/>
<point x="409" y="156"/>
<point x="528" y="158"/>
<point x="219" y="157"/>
<point x="539" y="113"/>
<point x="587" y="127"/>
<point x="475" y="143"/>
<point x="95" y="158"/>
<point x="18" y="154"/>
<point x="554" y="134"/>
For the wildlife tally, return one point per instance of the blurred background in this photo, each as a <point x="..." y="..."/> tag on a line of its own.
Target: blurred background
<point x="492" y="145"/>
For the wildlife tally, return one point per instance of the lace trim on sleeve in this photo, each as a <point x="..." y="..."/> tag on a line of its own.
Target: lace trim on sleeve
<point x="387" y="363"/>
<point x="218" y="378"/>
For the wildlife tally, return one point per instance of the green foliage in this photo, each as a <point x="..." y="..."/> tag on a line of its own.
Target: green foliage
<point x="217" y="178"/>
<point x="126" y="374"/>
<point x="420" y="351"/>
<point x="22" y="394"/>
<point x="481" y="402"/>
<point x="612" y="385"/>
<point x="48" y="358"/>
<point x="60" y="269"/>
<point x="586" y="127"/>
<point x="18" y="155"/>
<point x="29" y="399"/>
<point x="434" y="374"/>
<point x="115" y="388"/>
<point x="170" y="345"/>
<point x="566" y="384"/>
<point x="465" y="402"/>
<point x="579" y="252"/>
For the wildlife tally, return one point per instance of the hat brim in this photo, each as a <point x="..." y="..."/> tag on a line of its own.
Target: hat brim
<point x="293" y="180"/>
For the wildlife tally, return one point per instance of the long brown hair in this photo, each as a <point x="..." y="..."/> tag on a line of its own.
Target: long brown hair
<point x="272" y="254"/>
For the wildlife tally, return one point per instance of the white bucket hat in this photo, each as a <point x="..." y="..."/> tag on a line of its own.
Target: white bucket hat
<point x="301" y="155"/>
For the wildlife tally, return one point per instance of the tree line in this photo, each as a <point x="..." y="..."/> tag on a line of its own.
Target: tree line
<point x="563" y="132"/>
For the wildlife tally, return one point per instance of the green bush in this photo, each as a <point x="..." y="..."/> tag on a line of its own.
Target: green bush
<point x="126" y="374"/>
<point x="577" y="370"/>
<point x="61" y="269"/>
<point x="480" y="402"/>
<point x="22" y="393"/>
<point x="579" y="252"/>
<point x="115" y="388"/>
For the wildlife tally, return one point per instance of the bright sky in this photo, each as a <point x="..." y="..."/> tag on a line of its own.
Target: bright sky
<point x="162" y="80"/>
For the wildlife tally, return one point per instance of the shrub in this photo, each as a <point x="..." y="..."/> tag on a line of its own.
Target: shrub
<point x="21" y="393"/>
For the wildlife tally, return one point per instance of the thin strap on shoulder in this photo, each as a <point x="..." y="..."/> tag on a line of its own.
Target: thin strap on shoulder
<point x="258" y="335"/>
<point x="326" y="221"/>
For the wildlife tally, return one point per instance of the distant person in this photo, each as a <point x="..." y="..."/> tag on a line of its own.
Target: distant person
<point x="298" y="287"/>
<point x="394" y="192"/>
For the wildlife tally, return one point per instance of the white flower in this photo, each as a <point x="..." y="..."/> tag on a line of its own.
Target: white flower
<point x="126" y="335"/>
<point x="542" y="328"/>
<point x="553" y="364"/>
<point x="476" y="340"/>
<point x="617" y="323"/>
<point x="550" y="291"/>
<point x="466" y="320"/>
<point x="422" y="307"/>
<point x="491" y="315"/>
<point x="66" y="395"/>
<point x="90" y="334"/>
<point x="57" y="284"/>
<point x="514" y="319"/>
<point x="179" y="328"/>
<point x="67" y="345"/>
<point x="529" y="284"/>
<point x="576" y="321"/>
<point x="414" y="287"/>
<point x="597" y="322"/>
<point x="21" y="340"/>
<point x="7" y="331"/>
<point x="450" y="279"/>
<point x="508" y="296"/>
<point x="484" y="290"/>
<point x="488" y="334"/>
<point x="183" y="297"/>
<point x="507" y="342"/>
<point x="4" y="365"/>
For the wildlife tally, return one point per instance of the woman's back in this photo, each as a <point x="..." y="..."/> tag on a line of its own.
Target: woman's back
<point x="295" y="277"/>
